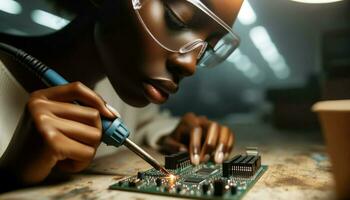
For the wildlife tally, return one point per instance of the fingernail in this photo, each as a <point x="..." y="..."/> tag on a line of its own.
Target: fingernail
<point x="182" y="149"/>
<point x="226" y="156"/>
<point x="195" y="159"/>
<point x="113" y="110"/>
<point x="219" y="157"/>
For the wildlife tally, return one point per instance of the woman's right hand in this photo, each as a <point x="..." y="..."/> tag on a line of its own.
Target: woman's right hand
<point x="62" y="134"/>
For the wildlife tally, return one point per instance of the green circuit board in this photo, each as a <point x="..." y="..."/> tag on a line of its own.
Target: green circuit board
<point x="205" y="181"/>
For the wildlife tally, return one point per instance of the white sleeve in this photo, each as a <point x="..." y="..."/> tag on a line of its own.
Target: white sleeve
<point x="152" y="124"/>
<point x="13" y="98"/>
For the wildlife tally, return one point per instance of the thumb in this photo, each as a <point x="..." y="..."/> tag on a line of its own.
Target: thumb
<point x="107" y="110"/>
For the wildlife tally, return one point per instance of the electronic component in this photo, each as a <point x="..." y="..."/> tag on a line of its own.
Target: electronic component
<point x="140" y="175"/>
<point x="178" y="189"/>
<point x="134" y="182"/>
<point x="204" y="181"/>
<point x="205" y="171"/>
<point x="205" y="188"/>
<point x="158" y="182"/>
<point x="178" y="160"/>
<point x="218" y="188"/>
<point x="241" y="165"/>
<point x="233" y="190"/>
<point x="194" y="180"/>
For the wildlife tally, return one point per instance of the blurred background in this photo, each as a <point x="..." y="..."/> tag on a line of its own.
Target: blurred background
<point x="292" y="54"/>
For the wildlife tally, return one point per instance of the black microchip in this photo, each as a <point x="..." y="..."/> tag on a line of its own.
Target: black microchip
<point x="178" y="160"/>
<point x="194" y="180"/>
<point x="205" y="171"/>
<point x="241" y="165"/>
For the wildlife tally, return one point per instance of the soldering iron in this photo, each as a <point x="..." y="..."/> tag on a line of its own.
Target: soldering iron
<point x="115" y="133"/>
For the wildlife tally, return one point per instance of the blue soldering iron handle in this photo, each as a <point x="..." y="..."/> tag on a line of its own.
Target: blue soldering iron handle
<point x="114" y="132"/>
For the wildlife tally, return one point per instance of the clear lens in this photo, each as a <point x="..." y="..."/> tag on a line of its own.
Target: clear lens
<point x="221" y="51"/>
<point x="180" y="26"/>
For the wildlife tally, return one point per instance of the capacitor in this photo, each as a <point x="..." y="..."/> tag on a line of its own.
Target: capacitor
<point x="159" y="182"/>
<point x="178" y="189"/>
<point x="233" y="189"/>
<point x="218" y="188"/>
<point x="205" y="188"/>
<point x="140" y="175"/>
<point x="132" y="184"/>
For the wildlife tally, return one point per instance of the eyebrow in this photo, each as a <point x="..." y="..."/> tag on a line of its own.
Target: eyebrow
<point x="195" y="20"/>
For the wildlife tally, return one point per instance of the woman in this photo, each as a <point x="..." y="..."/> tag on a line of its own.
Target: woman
<point x="144" y="49"/>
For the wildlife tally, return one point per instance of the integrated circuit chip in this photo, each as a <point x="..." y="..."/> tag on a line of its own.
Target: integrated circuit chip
<point x="227" y="181"/>
<point x="194" y="180"/>
<point x="205" y="171"/>
<point x="242" y="165"/>
<point x="178" y="160"/>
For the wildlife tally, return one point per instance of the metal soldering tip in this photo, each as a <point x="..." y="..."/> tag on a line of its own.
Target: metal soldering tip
<point x="145" y="156"/>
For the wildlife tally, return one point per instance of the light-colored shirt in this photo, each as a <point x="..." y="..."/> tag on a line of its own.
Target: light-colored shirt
<point x="146" y="124"/>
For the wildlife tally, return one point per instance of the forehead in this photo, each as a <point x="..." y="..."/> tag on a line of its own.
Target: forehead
<point x="227" y="10"/>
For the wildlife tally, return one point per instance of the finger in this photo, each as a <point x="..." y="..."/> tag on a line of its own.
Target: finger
<point x="205" y="123"/>
<point x="76" y="92"/>
<point x="187" y="123"/>
<point x="83" y="133"/>
<point x="222" y="144"/>
<point x="212" y="135"/>
<point x="64" y="147"/>
<point x="83" y="114"/>
<point x="195" y="145"/>
<point x="230" y="145"/>
<point x="170" y="145"/>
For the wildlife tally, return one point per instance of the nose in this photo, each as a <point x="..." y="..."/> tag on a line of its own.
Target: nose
<point x="182" y="65"/>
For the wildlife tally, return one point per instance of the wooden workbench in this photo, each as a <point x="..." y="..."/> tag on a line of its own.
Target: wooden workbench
<point x="298" y="169"/>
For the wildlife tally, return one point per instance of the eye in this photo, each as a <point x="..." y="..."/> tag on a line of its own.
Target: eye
<point x="172" y="20"/>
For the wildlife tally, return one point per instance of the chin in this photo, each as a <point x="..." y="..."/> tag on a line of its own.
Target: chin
<point x="131" y="97"/>
<point x="136" y="102"/>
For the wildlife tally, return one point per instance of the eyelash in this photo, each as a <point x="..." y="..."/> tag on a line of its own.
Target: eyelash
<point x="172" y="20"/>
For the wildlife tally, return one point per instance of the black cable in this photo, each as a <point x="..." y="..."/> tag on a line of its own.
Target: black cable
<point x="28" y="61"/>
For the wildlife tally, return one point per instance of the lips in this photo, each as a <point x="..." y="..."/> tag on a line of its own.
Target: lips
<point x="157" y="90"/>
<point x="164" y="84"/>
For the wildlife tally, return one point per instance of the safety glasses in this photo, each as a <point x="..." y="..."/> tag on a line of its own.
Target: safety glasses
<point x="177" y="26"/>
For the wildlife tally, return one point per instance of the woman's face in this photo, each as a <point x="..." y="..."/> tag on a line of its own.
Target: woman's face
<point x="140" y="70"/>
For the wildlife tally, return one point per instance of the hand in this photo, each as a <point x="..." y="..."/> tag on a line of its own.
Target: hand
<point x="60" y="133"/>
<point x="205" y="139"/>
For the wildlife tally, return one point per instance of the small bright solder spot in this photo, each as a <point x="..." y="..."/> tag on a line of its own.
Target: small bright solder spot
<point x="171" y="179"/>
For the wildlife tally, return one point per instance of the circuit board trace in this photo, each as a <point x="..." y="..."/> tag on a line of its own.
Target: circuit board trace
<point x="204" y="181"/>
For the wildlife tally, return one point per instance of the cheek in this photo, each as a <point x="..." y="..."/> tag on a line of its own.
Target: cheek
<point x="116" y="53"/>
<point x="153" y="55"/>
<point x="122" y="63"/>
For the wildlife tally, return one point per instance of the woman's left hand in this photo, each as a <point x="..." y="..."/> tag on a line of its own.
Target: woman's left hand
<point x="204" y="139"/>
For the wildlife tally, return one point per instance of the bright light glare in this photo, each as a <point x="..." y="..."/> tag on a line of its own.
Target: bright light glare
<point x="246" y="66"/>
<point x="268" y="50"/>
<point x="49" y="20"/>
<point x="316" y="1"/>
<point x="246" y="15"/>
<point x="11" y="7"/>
